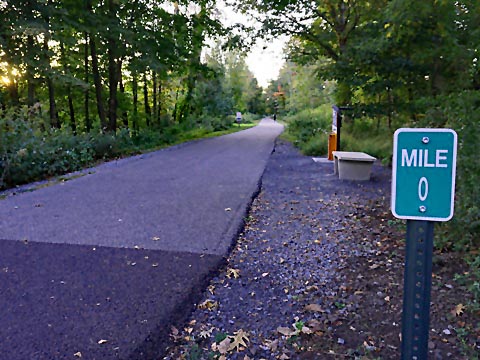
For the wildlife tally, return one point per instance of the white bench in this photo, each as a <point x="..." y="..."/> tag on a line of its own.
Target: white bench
<point x="352" y="165"/>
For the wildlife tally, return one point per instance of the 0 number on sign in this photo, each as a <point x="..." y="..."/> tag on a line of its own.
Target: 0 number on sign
<point x="423" y="189"/>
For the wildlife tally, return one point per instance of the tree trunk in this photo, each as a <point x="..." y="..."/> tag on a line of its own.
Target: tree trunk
<point x="13" y="93"/>
<point x="187" y="103"/>
<point x="135" y="101"/>
<point x="112" y="73"/>
<point x="88" y="121"/>
<point x="148" y="111"/>
<point x="97" y="79"/>
<point x="174" y="114"/>
<point x="159" y="110"/>
<point x="71" y="109"/>
<point x="98" y="84"/>
<point x="29" y="74"/>
<point x="154" y="76"/>
<point x="54" y="120"/>
<point x="122" y="91"/>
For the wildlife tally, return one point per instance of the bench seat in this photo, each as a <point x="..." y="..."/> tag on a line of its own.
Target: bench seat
<point x="353" y="165"/>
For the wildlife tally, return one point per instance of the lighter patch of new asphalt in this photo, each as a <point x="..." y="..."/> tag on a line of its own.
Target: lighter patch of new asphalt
<point x="101" y="265"/>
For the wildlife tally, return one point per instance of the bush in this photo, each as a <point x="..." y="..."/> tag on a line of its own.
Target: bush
<point x="28" y="153"/>
<point x="219" y="124"/>
<point x="214" y="123"/>
<point x="457" y="112"/>
<point x="309" y="129"/>
<point x="316" y="146"/>
<point x="379" y="145"/>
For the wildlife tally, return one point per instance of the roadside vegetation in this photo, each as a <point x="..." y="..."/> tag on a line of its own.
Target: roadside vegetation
<point x="392" y="64"/>
<point x="83" y="82"/>
<point x="30" y="154"/>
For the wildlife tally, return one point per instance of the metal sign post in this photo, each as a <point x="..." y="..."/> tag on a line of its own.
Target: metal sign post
<point x="417" y="288"/>
<point x="423" y="186"/>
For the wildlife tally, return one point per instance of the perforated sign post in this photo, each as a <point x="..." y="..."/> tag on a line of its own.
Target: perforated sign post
<point x="423" y="187"/>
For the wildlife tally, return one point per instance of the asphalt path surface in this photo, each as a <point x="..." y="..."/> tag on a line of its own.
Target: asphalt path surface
<point x="101" y="265"/>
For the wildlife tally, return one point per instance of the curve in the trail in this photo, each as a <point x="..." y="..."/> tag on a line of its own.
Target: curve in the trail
<point x="119" y="254"/>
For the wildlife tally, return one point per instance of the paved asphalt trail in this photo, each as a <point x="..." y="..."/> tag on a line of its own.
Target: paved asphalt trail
<point x="119" y="254"/>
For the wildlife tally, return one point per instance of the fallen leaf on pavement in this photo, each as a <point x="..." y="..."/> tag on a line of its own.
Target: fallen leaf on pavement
<point x="233" y="272"/>
<point x="458" y="310"/>
<point x="314" y="308"/>
<point x="272" y="345"/>
<point x="240" y="339"/>
<point x="223" y="346"/>
<point x="306" y="330"/>
<point x="287" y="331"/>
<point x="208" y="305"/>
<point x="315" y="325"/>
<point x="206" y="333"/>
<point x="175" y="334"/>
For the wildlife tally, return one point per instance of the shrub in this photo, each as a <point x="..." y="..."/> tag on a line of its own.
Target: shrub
<point x="219" y="124"/>
<point x="309" y="128"/>
<point x="28" y="153"/>
<point x="379" y="145"/>
<point x="457" y="112"/>
<point x="316" y="146"/>
<point x="104" y="146"/>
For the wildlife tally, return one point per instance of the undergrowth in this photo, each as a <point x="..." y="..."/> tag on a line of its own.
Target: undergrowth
<point x="308" y="131"/>
<point x="29" y="153"/>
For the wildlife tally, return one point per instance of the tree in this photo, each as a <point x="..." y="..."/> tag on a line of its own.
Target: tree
<point x="52" y="53"/>
<point x="323" y="30"/>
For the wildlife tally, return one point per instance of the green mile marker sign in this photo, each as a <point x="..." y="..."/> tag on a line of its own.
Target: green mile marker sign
<point x="423" y="180"/>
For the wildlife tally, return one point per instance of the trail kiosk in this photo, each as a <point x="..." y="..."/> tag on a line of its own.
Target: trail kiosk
<point x="423" y="188"/>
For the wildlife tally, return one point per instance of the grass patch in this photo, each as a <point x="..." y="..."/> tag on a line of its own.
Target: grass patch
<point x="309" y="131"/>
<point x="378" y="145"/>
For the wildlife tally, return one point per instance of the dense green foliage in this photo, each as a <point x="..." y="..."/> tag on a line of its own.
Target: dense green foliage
<point x="87" y="80"/>
<point x="30" y="154"/>
<point x="308" y="129"/>
<point x="398" y="63"/>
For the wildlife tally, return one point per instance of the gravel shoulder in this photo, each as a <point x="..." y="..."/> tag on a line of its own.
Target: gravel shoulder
<point x="317" y="273"/>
